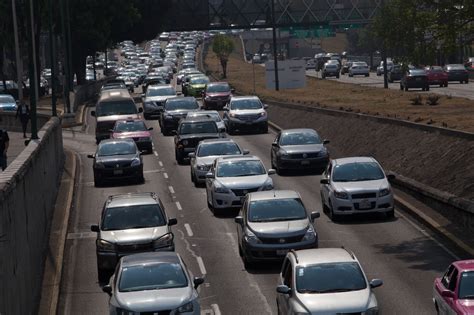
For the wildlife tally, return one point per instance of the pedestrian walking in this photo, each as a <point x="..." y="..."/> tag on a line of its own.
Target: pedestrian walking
<point x="4" y="143"/>
<point x="23" y="112"/>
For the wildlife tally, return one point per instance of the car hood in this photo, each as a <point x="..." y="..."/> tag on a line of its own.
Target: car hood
<point x="369" y="186"/>
<point x="303" y="148"/>
<point x="243" y="182"/>
<point x="131" y="134"/>
<point x="115" y="158"/>
<point x="218" y="94"/>
<point x="154" y="300"/>
<point x="134" y="236"/>
<point x="279" y="227"/>
<point x="465" y="306"/>
<point x="117" y="117"/>
<point x="158" y="98"/>
<point x="247" y="111"/>
<point x="340" y="302"/>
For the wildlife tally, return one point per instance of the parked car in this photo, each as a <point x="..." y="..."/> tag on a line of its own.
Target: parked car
<point x="330" y="70"/>
<point x="356" y="185"/>
<point x="245" y="113"/>
<point x="380" y="67"/>
<point x="117" y="159"/>
<point x="395" y="73"/>
<point x="271" y="223"/>
<point x="207" y="152"/>
<point x="174" y="110"/>
<point x="299" y="149"/>
<point x="457" y="72"/>
<point x="129" y="224"/>
<point x="7" y="103"/>
<point x="231" y="178"/>
<point x="216" y="95"/>
<point x="359" y="68"/>
<point x="325" y="281"/>
<point x="415" y="78"/>
<point x="136" y="130"/>
<point x="454" y="291"/>
<point x="153" y="283"/>
<point x="154" y="99"/>
<point x="437" y="76"/>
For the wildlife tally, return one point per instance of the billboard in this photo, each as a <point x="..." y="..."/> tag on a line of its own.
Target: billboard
<point x="291" y="74"/>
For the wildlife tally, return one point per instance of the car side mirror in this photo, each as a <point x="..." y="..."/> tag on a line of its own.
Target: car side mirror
<point x="95" y="228"/>
<point x="93" y="113"/>
<point x="192" y="155"/>
<point x="151" y="128"/>
<point x="210" y="175"/>
<point x="197" y="282"/>
<point x="91" y="156"/>
<point x="239" y="220"/>
<point x="283" y="289"/>
<point x="265" y="106"/>
<point x="274" y="144"/>
<point x="107" y="289"/>
<point x="391" y="177"/>
<point x="326" y="141"/>
<point x="246" y="152"/>
<point x="140" y="110"/>
<point x="271" y="171"/>
<point x="324" y="181"/>
<point x="447" y="294"/>
<point x="172" y="221"/>
<point x="314" y="215"/>
<point x="375" y="283"/>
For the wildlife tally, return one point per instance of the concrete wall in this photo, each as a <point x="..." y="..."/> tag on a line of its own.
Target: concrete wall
<point x="28" y="190"/>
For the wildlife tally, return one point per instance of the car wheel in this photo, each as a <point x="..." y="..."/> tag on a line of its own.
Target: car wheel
<point x="390" y="214"/>
<point x="230" y="129"/>
<point x="325" y="208"/>
<point x="179" y="157"/>
<point x="350" y="75"/>
<point x="461" y="82"/>
<point x="401" y="87"/>
<point x="337" y="76"/>
<point x="141" y="179"/>
<point x="427" y="88"/>
<point x="97" y="181"/>
<point x="241" y="252"/>
<point x="334" y="217"/>
<point x="368" y="74"/>
<point x="446" y="84"/>
<point x="406" y="88"/>
<point x="247" y="263"/>
<point x="265" y="128"/>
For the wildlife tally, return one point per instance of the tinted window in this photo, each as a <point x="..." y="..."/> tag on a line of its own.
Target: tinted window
<point x="436" y="69"/>
<point x="130" y="126"/>
<point x="203" y="127"/>
<point x="276" y="210"/>
<point x="117" y="148"/>
<point x="126" y="107"/>
<point x="181" y="104"/>
<point x="240" y="168"/>
<point x="161" y="92"/>
<point x="246" y="104"/>
<point x="132" y="217"/>
<point x="224" y="148"/>
<point x="206" y="114"/>
<point x="330" y="277"/>
<point x="352" y="172"/>
<point x="466" y="285"/>
<point x="216" y="88"/>
<point x="300" y="138"/>
<point x="152" y="277"/>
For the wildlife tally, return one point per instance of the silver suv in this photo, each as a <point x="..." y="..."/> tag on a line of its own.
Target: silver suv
<point x="325" y="281"/>
<point x="129" y="224"/>
<point x="246" y="113"/>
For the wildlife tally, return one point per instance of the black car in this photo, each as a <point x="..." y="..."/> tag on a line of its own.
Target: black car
<point x="192" y="130"/>
<point x="415" y="78"/>
<point x="395" y="73"/>
<point x="117" y="159"/>
<point x="174" y="110"/>
<point x="457" y="72"/>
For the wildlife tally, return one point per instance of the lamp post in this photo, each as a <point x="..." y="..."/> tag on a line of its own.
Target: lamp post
<point x="19" y="64"/>
<point x="275" y="52"/>
<point x="33" y="75"/>
<point x="52" y="59"/>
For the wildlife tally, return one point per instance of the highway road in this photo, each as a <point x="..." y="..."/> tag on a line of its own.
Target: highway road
<point x="398" y="251"/>
<point x="453" y="89"/>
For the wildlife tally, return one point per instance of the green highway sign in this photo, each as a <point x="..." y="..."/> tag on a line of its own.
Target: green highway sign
<point x="313" y="32"/>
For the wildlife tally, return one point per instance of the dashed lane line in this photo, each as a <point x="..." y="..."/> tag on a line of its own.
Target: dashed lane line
<point x="178" y="205"/>
<point x="161" y="163"/>
<point x="171" y="189"/>
<point x="201" y="265"/>
<point x="165" y="175"/>
<point x="188" y="230"/>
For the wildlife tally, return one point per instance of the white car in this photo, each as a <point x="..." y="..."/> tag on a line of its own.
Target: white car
<point x="356" y="185"/>
<point x="359" y="68"/>
<point x="231" y="178"/>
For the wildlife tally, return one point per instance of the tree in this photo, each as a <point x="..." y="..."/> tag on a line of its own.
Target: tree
<point x="223" y="46"/>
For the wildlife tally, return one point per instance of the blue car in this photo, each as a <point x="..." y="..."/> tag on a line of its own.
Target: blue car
<point x="7" y="103"/>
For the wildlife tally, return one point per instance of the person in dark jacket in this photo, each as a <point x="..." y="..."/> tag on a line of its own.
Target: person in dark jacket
<point x="4" y="143"/>
<point x="23" y="112"/>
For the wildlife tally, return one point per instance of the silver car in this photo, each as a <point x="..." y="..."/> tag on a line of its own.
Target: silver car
<point x="211" y="114"/>
<point x="246" y="113"/>
<point x="131" y="223"/>
<point x="153" y="283"/>
<point x="356" y="185"/>
<point x="206" y="153"/>
<point x="273" y="222"/>
<point x="231" y="178"/>
<point x="326" y="281"/>
<point x="359" y="68"/>
<point x="299" y="149"/>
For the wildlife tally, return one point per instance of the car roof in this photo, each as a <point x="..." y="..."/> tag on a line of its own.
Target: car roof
<point x="354" y="159"/>
<point x="114" y="94"/>
<point x="197" y="119"/>
<point x="131" y="199"/>
<point x="273" y="194"/>
<point x="247" y="97"/>
<point x="238" y="158"/>
<point x="203" y="113"/>
<point x="298" y="130"/>
<point x="218" y="140"/>
<point x="465" y="265"/>
<point x="323" y="255"/>
<point x="217" y="83"/>
<point x="151" y="258"/>
<point x="160" y="86"/>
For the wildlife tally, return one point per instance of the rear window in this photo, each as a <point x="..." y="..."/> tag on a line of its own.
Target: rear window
<point x="161" y="92"/>
<point x="125" y="107"/>
<point x="130" y="126"/>
<point x="132" y="217"/>
<point x="216" y="88"/>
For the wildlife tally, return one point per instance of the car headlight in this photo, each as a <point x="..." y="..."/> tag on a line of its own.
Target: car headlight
<point x="186" y="308"/>
<point x="99" y="165"/>
<point x="219" y="188"/>
<point x="135" y="162"/>
<point x="251" y="238"/>
<point x="384" y="192"/>
<point x="144" y="139"/>
<point x="164" y="241"/>
<point x="268" y="185"/>
<point x="185" y="142"/>
<point x="105" y="246"/>
<point x="341" y="195"/>
<point x="263" y="114"/>
<point x="310" y="234"/>
<point x="202" y="167"/>
<point x="371" y="311"/>
<point x="282" y="153"/>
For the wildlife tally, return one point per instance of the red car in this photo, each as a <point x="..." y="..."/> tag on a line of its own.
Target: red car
<point x="437" y="76"/>
<point x="135" y="129"/>
<point x="453" y="293"/>
<point x="216" y="95"/>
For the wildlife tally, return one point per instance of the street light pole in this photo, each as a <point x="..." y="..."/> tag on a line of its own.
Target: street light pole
<point x="19" y="64"/>
<point x="275" y="52"/>
<point x="65" y="65"/>
<point x="52" y="58"/>
<point x="33" y="76"/>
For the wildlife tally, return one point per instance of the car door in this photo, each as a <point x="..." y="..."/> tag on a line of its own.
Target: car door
<point x="209" y="181"/>
<point x="275" y="148"/>
<point x="283" y="300"/>
<point x="444" y="304"/>
<point x="240" y="227"/>
<point x="325" y="188"/>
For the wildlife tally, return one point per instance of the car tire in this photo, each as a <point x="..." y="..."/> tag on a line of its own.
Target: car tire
<point x="179" y="157"/>
<point x="350" y="75"/>
<point x="446" y="84"/>
<point x="337" y="76"/>
<point x="141" y="179"/>
<point x="230" y="130"/>
<point x="367" y="75"/>
<point x="247" y="263"/>
<point x="427" y="88"/>
<point x="241" y="252"/>
<point x="334" y="217"/>
<point x="265" y="129"/>
<point x="391" y="214"/>
<point x="401" y="87"/>
<point x="97" y="181"/>
<point x="406" y="88"/>
<point x="323" y="205"/>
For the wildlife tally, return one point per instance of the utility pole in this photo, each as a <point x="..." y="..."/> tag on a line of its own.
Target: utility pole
<point x="33" y="76"/>
<point x="65" y="65"/>
<point x="52" y="59"/>
<point x="275" y="51"/>
<point x="69" y="48"/>
<point x="384" y="59"/>
<point x="19" y="64"/>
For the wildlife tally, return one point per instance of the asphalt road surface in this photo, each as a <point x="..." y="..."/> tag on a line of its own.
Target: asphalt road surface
<point x="398" y="251"/>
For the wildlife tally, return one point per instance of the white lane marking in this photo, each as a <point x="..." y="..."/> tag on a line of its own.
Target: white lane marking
<point x="161" y="163"/>
<point x="171" y="189"/>
<point x="81" y="235"/>
<point x="188" y="229"/>
<point x="178" y="205"/>
<point x="165" y="175"/>
<point x="155" y="153"/>
<point x="215" y="308"/>
<point x="201" y="265"/>
<point x="151" y="171"/>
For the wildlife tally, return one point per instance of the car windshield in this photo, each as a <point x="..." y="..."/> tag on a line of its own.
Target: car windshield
<point x="436" y="69"/>
<point x="245" y="104"/>
<point x="240" y="168"/>
<point x="466" y="285"/>
<point x="358" y="171"/>
<point x="199" y="80"/>
<point x="132" y="217"/>
<point x="181" y="104"/>
<point x="212" y="115"/>
<point x="222" y="148"/>
<point x="6" y="99"/>
<point x="456" y="67"/>
<point x="276" y="210"/>
<point x="198" y="127"/>
<point x="153" y="276"/>
<point x="300" y="138"/>
<point x="116" y="108"/>
<point x="130" y="126"/>
<point x="217" y="88"/>
<point x="116" y="148"/>
<point x="330" y="277"/>
<point x="161" y="92"/>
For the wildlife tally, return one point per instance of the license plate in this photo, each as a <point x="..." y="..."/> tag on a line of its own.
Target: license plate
<point x="281" y="252"/>
<point x="304" y="162"/>
<point x="118" y="172"/>
<point x="364" y="204"/>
